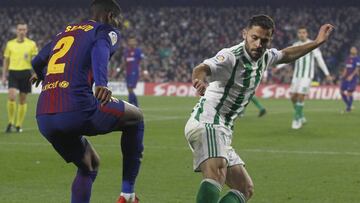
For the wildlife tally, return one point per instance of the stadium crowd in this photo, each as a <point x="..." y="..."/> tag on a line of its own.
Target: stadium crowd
<point x="177" y="38"/>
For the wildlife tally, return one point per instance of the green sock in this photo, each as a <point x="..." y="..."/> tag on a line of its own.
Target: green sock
<point x="209" y="191"/>
<point x="299" y="109"/>
<point x="233" y="196"/>
<point x="257" y="103"/>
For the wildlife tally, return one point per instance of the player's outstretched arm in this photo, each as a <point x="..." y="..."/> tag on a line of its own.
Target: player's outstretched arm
<point x="290" y="54"/>
<point x="199" y="75"/>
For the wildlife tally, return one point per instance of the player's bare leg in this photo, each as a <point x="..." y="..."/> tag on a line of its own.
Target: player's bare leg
<point x="87" y="171"/>
<point x="214" y="177"/>
<point x="11" y="108"/>
<point x="132" y="116"/>
<point x="240" y="183"/>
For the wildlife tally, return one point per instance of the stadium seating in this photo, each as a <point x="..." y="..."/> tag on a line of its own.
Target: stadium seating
<point x="177" y="38"/>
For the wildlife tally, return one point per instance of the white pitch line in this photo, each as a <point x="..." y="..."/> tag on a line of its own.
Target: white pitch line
<point x="153" y="118"/>
<point x="301" y="152"/>
<point x="270" y="151"/>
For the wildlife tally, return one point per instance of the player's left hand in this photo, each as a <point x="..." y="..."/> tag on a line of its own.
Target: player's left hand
<point x="103" y="94"/>
<point x="113" y="99"/>
<point x="349" y="78"/>
<point x="329" y="78"/>
<point x="324" y="33"/>
<point x="200" y="86"/>
<point x="35" y="80"/>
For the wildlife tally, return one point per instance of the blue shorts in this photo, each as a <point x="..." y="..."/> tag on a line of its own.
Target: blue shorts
<point x="65" y="131"/>
<point x="132" y="80"/>
<point x="349" y="86"/>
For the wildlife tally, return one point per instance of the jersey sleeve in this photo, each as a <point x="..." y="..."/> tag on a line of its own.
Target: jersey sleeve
<point x="275" y="56"/>
<point x="34" y="50"/>
<point x="40" y="60"/>
<point x="110" y="35"/>
<point x="140" y="54"/>
<point x="221" y="65"/>
<point x="358" y="63"/>
<point x="7" y="52"/>
<point x="106" y="43"/>
<point x="320" y="60"/>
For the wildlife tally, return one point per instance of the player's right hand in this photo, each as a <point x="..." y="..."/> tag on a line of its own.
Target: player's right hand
<point x="35" y="80"/>
<point x="324" y="33"/>
<point x="200" y="86"/>
<point x="103" y="94"/>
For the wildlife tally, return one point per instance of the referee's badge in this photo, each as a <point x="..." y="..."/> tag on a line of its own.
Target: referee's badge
<point x="113" y="37"/>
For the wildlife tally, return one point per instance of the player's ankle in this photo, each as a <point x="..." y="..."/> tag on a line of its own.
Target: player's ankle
<point x="128" y="196"/>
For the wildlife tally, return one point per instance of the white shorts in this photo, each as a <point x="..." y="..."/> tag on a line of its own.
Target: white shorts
<point x="300" y="85"/>
<point x="210" y="141"/>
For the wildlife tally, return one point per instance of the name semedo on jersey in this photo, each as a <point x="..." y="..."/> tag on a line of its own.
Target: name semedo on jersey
<point x="85" y="28"/>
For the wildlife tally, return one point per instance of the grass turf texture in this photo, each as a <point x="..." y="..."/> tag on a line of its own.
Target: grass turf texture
<point x="319" y="163"/>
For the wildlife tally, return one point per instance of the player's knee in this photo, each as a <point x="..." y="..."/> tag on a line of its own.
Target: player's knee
<point x="249" y="190"/>
<point x="139" y="115"/>
<point x="95" y="162"/>
<point x="215" y="171"/>
<point x="12" y="97"/>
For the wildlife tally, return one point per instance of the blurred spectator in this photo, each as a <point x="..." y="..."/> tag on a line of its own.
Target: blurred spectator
<point x="175" y="39"/>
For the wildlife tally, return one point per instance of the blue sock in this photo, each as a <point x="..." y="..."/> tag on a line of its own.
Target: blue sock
<point x="133" y="99"/>
<point x="132" y="148"/>
<point x="349" y="104"/>
<point x="81" y="187"/>
<point x="345" y="99"/>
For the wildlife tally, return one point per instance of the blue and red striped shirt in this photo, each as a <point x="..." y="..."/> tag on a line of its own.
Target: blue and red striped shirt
<point x="133" y="58"/>
<point x="70" y="64"/>
<point x="352" y="63"/>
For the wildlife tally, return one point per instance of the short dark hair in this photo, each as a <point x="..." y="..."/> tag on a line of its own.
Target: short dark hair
<point x="21" y="22"/>
<point x="106" y="6"/>
<point x="264" y="21"/>
<point x="302" y="27"/>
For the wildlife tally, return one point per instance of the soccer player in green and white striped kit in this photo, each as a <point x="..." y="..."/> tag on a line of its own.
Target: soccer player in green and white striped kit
<point x="302" y="77"/>
<point x="233" y="75"/>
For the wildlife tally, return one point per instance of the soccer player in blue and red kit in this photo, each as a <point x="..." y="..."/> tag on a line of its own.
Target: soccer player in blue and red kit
<point x="350" y="78"/>
<point x="68" y="109"/>
<point x="132" y="60"/>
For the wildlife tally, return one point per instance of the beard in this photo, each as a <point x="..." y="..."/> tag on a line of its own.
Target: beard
<point x="255" y="53"/>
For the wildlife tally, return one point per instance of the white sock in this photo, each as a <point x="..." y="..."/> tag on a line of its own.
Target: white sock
<point x="128" y="196"/>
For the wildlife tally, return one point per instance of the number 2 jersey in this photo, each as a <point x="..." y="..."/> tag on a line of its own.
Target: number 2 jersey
<point x="70" y="64"/>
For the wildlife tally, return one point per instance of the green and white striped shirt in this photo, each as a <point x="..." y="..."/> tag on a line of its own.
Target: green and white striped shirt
<point x="233" y="81"/>
<point x="305" y="66"/>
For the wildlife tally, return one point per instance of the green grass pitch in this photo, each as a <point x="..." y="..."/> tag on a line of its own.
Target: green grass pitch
<point x="317" y="164"/>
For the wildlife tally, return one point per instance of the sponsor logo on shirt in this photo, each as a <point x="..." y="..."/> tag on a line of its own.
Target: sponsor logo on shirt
<point x="53" y="85"/>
